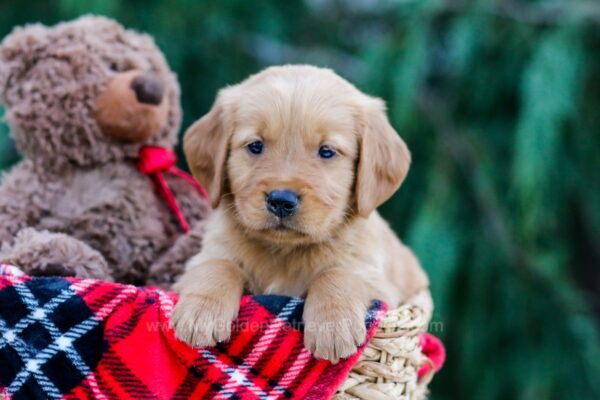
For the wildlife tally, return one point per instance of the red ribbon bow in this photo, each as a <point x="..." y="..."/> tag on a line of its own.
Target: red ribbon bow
<point x="154" y="161"/>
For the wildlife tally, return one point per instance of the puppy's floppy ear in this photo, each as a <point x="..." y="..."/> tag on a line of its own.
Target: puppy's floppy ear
<point x="205" y="145"/>
<point x="384" y="159"/>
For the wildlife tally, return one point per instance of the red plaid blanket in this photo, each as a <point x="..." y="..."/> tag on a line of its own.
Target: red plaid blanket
<point x="77" y="338"/>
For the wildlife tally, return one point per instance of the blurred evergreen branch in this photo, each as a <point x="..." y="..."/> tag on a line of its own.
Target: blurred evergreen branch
<point x="532" y="13"/>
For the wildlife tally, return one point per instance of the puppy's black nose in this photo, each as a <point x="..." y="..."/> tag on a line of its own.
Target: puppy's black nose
<point x="148" y="89"/>
<point x="282" y="203"/>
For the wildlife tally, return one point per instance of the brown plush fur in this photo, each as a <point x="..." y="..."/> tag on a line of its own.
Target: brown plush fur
<point x="84" y="207"/>
<point x="336" y="250"/>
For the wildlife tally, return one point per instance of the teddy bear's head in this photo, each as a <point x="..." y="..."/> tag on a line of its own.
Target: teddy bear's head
<point x="86" y="92"/>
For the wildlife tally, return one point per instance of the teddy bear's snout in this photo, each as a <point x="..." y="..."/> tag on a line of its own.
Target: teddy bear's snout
<point x="133" y="106"/>
<point x="148" y="89"/>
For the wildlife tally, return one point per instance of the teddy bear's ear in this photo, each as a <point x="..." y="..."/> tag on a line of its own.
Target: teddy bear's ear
<point x="19" y="51"/>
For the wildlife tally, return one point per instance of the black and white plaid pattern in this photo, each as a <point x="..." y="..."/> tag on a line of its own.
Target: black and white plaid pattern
<point x="46" y="325"/>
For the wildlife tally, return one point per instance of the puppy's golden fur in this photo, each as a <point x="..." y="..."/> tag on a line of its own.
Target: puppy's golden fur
<point x="336" y="250"/>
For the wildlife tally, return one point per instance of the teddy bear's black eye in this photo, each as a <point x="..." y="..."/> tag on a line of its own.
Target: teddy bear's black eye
<point x="326" y="152"/>
<point x="114" y="67"/>
<point x="256" y="147"/>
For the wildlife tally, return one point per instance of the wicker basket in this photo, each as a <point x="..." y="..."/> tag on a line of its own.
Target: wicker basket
<point x="387" y="370"/>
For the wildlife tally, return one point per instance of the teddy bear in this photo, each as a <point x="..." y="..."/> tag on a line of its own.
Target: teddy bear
<point x="94" y="110"/>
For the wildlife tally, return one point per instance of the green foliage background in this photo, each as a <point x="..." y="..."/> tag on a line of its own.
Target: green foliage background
<point x="499" y="102"/>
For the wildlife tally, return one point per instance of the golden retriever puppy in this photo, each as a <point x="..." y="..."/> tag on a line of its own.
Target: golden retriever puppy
<point x="296" y="160"/>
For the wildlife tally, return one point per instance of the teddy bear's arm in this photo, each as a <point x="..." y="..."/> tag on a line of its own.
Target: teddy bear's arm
<point x="44" y="253"/>
<point x="25" y="196"/>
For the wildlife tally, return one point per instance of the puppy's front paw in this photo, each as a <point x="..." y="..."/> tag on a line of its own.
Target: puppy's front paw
<point x="332" y="332"/>
<point x="202" y="320"/>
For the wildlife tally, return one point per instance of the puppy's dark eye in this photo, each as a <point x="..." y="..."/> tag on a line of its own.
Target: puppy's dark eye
<point x="256" y="147"/>
<point x="326" y="152"/>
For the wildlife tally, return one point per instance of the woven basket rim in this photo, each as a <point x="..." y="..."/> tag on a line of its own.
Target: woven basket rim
<point x="389" y="365"/>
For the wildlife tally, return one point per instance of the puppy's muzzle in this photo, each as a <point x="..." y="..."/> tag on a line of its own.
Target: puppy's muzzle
<point x="282" y="203"/>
